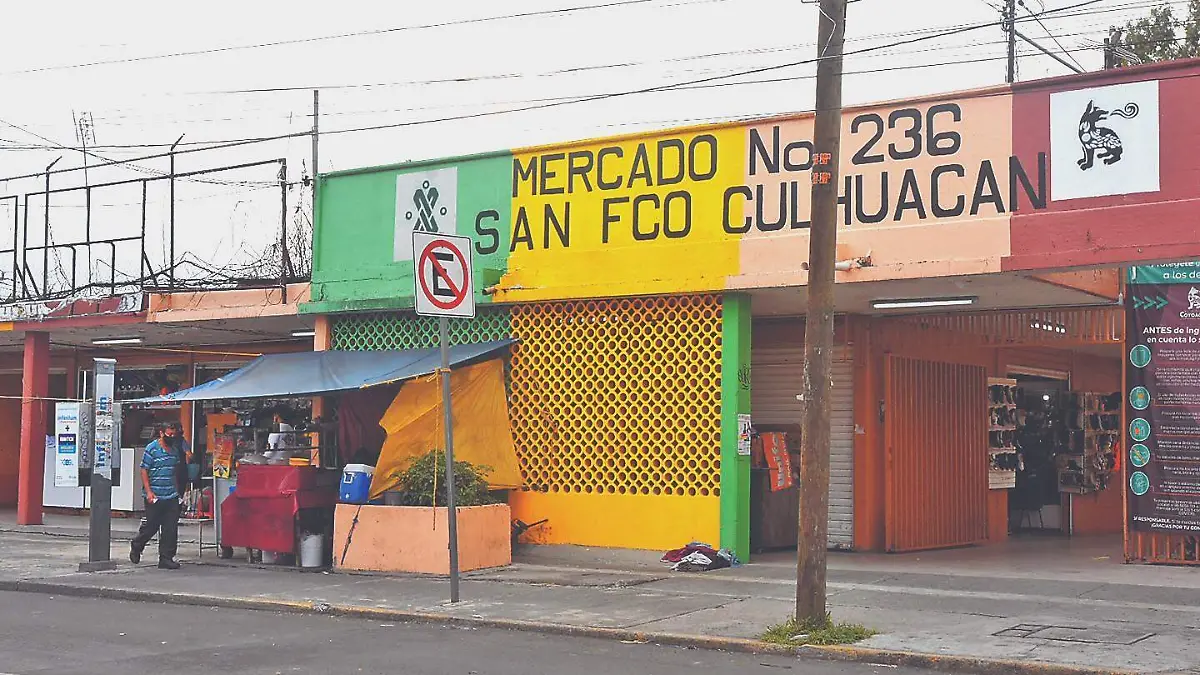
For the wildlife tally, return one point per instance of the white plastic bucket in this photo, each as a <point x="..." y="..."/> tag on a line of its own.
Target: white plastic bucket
<point x="312" y="550"/>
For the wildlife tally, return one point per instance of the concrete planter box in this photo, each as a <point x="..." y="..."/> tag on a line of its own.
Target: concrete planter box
<point x="415" y="538"/>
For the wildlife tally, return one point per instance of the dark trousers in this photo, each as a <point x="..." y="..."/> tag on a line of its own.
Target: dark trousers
<point x="162" y="514"/>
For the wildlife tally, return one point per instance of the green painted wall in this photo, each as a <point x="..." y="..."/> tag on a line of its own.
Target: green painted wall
<point x="735" y="400"/>
<point x="353" y="248"/>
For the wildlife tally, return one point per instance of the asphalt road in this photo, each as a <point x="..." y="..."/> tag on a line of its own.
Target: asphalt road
<point x="62" y="635"/>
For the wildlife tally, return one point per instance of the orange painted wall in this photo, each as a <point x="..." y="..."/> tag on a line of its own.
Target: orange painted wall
<point x="997" y="516"/>
<point x="1099" y="513"/>
<point x="10" y="438"/>
<point x="873" y="338"/>
<point x="414" y="539"/>
<point x="869" y="475"/>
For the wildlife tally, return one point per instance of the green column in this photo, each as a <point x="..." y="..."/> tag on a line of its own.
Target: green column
<point x="735" y="400"/>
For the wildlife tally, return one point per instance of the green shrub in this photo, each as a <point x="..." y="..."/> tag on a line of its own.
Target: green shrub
<point x="423" y="473"/>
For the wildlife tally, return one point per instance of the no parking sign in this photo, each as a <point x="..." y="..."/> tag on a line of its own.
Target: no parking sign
<point x="442" y="271"/>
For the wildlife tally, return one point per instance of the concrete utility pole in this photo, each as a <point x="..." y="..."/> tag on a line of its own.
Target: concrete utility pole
<point x="1010" y="15"/>
<point x="818" y="333"/>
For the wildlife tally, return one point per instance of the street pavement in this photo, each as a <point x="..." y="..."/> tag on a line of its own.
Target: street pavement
<point x="64" y="636"/>
<point x="1077" y="607"/>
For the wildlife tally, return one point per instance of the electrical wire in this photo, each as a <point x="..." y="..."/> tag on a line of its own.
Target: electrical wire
<point x="339" y="36"/>
<point x="130" y="163"/>
<point x="1052" y="36"/>
<point x="688" y="84"/>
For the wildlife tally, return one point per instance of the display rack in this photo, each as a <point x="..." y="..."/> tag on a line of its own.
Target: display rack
<point x="1003" y="454"/>
<point x="1095" y="431"/>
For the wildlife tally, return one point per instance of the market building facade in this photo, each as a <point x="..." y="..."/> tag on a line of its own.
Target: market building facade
<point x="162" y="342"/>
<point x="655" y="283"/>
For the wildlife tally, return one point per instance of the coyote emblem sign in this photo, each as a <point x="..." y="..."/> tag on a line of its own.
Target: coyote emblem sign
<point x="1096" y="138"/>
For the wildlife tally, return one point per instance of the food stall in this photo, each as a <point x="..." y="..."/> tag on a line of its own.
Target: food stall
<point x="276" y="468"/>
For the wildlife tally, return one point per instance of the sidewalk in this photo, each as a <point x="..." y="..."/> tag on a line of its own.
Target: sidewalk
<point x="1021" y="605"/>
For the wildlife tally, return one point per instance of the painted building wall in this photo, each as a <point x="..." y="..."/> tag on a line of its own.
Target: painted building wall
<point x="10" y="438"/>
<point x="1094" y="514"/>
<point x="971" y="183"/>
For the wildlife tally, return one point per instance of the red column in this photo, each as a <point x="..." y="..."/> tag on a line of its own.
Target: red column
<point x="35" y="386"/>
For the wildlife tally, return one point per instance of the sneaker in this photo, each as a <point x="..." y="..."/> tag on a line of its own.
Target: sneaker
<point x="168" y="565"/>
<point x="135" y="555"/>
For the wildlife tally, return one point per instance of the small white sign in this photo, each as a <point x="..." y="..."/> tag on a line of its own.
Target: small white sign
<point x="1104" y="141"/>
<point x="744" y="427"/>
<point x="425" y="202"/>
<point x="442" y="275"/>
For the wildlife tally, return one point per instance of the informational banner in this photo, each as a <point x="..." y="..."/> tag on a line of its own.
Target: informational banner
<point x="1163" y="398"/>
<point x="106" y="374"/>
<point x="66" y="444"/>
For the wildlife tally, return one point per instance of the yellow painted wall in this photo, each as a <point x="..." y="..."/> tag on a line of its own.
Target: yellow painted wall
<point x="653" y="522"/>
<point x="636" y="251"/>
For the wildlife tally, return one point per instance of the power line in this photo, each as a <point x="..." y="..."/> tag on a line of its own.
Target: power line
<point x="591" y="98"/>
<point x="714" y="78"/>
<point x="580" y="97"/>
<point x="339" y="36"/>
<point x="1052" y="36"/>
<point x="130" y="163"/>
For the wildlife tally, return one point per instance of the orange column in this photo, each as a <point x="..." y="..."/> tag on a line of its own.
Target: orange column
<point x="868" y="445"/>
<point x="322" y="341"/>
<point x="35" y="385"/>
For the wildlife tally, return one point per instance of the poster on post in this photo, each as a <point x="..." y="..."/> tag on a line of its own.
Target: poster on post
<point x="1162" y="401"/>
<point x="222" y="455"/>
<point x="66" y="444"/>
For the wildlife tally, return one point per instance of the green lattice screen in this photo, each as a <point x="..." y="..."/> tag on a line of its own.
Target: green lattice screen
<point x="396" y="330"/>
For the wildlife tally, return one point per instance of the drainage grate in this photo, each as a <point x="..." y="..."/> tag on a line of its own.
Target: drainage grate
<point x="1021" y="630"/>
<point x="1088" y="635"/>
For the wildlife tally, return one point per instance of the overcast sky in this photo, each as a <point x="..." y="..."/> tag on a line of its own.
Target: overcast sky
<point x="411" y="62"/>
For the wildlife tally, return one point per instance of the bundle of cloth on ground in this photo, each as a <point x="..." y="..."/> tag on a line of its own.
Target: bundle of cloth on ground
<point x="482" y="435"/>
<point x="699" y="557"/>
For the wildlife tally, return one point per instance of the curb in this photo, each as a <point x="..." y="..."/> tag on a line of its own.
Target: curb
<point x="68" y="533"/>
<point x="850" y="654"/>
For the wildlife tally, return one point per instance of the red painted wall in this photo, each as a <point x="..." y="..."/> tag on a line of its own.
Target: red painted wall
<point x="1119" y="229"/>
<point x="10" y="438"/>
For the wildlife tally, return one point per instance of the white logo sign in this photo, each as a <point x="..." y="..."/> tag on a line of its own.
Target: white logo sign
<point x="443" y="275"/>
<point x="1104" y="141"/>
<point x="1193" y="299"/>
<point x="425" y="202"/>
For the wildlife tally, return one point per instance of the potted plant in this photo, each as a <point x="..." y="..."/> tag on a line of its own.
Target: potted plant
<point x="414" y="537"/>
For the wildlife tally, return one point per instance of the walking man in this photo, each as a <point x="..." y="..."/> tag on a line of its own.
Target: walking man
<point x="160" y="466"/>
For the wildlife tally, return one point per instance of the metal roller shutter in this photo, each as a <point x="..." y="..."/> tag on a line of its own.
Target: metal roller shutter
<point x="776" y="374"/>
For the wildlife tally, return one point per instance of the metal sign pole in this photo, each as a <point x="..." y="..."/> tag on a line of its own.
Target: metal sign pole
<point x="100" y="521"/>
<point x="444" y="287"/>
<point x="447" y="422"/>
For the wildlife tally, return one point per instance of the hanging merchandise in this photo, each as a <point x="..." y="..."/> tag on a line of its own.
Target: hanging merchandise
<point x="1004" y="456"/>
<point x="778" y="460"/>
<point x="1091" y="442"/>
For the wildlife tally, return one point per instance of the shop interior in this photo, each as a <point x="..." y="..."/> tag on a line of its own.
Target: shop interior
<point x="1049" y="446"/>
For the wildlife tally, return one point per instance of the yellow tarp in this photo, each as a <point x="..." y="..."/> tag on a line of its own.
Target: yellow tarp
<point x="481" y="430"/>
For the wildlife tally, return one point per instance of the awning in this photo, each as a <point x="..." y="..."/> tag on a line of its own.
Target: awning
<point x="314" y="373"/>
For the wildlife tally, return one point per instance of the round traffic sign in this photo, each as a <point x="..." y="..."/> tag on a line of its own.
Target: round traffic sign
<point x="432" y="263"/>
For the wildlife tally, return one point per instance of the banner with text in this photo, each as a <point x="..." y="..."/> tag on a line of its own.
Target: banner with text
<point x="1163" y="398"/>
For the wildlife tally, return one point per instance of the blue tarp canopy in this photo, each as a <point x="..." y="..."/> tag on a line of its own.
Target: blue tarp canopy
<point x="314" y="373"/>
